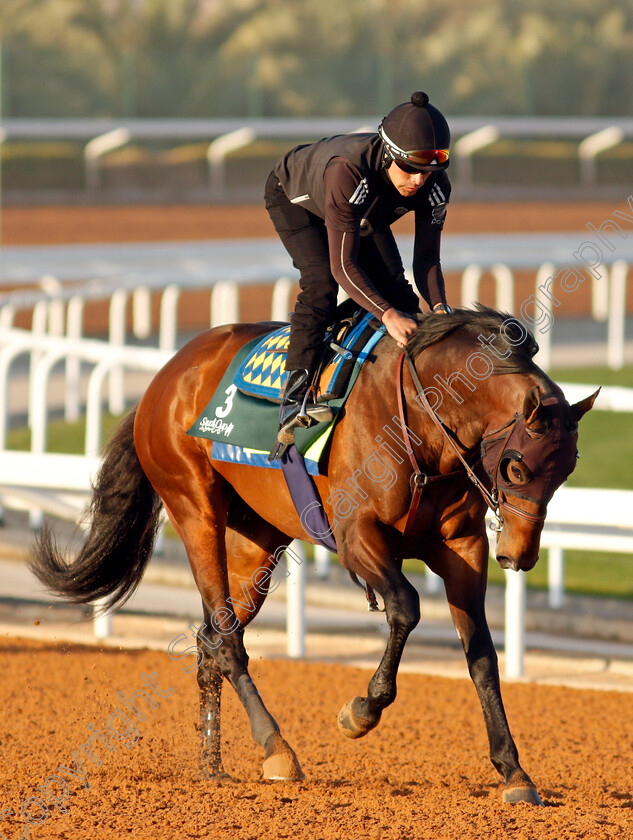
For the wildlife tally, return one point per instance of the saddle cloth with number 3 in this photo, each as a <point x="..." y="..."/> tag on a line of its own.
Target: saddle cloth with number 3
<point x="245" y="424"/>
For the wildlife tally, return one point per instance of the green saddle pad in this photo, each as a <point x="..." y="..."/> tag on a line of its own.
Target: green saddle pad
<point x="240" y="420"/>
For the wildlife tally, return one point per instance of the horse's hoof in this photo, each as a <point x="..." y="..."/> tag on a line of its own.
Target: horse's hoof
<point x="351" y="723"/>
<point x="527" y="794"/>
<point x="281" y="764"/>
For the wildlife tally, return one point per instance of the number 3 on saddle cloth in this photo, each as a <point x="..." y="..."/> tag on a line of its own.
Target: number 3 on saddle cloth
<point x="241" y="417"/>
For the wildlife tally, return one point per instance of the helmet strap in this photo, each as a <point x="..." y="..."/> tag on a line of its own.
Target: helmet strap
<point x="387" y="157"/>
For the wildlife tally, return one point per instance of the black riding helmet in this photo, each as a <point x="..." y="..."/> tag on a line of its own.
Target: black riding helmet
<point x="416" y="135"/>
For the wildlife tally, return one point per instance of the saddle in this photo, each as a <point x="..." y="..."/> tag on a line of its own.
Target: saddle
<point x="241" y="416"/>
<point x="262" y="374"/>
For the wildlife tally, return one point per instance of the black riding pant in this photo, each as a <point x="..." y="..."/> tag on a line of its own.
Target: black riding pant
<point x="304" y="236"/>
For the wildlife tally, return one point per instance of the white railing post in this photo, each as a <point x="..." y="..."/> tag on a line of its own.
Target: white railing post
<point x="295" y="602"/>
<point x="504" y="287"/>
<point x="470" y="284"/>
<point x="6" y="357"/>
<point x="515" y="624"/>
<point x="555" y="577"/>
<point x="39" y="321"/>
<point x="39" y="408"/>
<point x="7" y="315"/>
<point x="94" y="422"/>
<point x="40" y="380"/>
<point x="56" y="317"/>
<point x="224" y="303"/>
<point x="281" y="305"/>
<point x="599" y="293"/>
<point x="99" y="146"/>
<point x="545" y="291"/>
<point x="217" y="153"/>
<point x="544" y="312"/>
<point x="141" y="312"/>
<point x="74" y="329"/>
<point x="321" y="562"/>
<point x="616" y="328"/>
<point x="168" y="328"/>
<point x="118" y="303"/>
<point x="101" y="622"/>
<point x="467" y="145"/>
<point x="591" y="146"/>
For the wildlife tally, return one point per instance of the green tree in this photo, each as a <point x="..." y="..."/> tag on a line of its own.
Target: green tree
<point x="12" y="14"/>
<point x="300" y="57"/>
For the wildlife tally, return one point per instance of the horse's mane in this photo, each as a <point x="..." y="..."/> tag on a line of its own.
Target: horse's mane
<point x="482" y="321"/>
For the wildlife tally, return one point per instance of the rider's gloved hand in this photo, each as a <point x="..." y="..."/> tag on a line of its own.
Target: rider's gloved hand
<point x="399" y="325"/>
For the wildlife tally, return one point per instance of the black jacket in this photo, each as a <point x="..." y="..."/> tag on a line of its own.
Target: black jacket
<point x="343" y="181"/>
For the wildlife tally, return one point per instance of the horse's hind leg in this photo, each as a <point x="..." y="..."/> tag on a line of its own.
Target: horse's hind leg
<point x="246" y="556"/>
<point x="210" y="687"/>
<point x="201" y="523"/>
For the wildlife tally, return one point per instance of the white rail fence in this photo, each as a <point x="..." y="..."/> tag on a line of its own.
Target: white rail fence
<point x="45" y="353"/>
<point x="593" y="134"/>
<point x="577" y="518"/>
<point x="61" y="309"/>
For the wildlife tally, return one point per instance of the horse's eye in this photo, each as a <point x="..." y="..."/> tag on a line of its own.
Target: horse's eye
<point x="514" y="472"/>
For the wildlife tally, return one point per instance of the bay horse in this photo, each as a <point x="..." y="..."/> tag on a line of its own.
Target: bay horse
<point x="499" y="433"/>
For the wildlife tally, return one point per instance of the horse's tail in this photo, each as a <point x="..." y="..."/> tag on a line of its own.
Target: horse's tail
<point x="124" y="515"/>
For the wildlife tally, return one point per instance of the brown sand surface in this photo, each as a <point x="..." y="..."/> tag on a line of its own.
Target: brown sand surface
<point x="423" y="774"/>
<point x="139" y="223"/>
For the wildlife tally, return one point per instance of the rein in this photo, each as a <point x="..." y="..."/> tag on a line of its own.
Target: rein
<point x="419" y="480"/>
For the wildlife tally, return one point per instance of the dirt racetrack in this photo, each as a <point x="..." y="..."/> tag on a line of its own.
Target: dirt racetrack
<point x="423" y="774"/>
<point x="148" y="223"/>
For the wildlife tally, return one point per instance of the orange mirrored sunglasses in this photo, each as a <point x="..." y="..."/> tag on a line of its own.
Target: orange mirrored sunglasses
<point x="424" y="158"/>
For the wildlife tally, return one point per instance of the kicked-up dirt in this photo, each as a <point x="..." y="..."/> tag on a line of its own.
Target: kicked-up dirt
<point x="423" y="774"/>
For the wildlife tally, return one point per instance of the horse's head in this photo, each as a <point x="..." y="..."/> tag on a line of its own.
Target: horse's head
<point x="526" y="461"/>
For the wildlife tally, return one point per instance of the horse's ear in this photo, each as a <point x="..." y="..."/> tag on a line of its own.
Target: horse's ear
<point x="532" y="406"/>
<point x="579" y="409"/>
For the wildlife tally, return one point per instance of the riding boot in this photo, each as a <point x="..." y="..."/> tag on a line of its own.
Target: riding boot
<point x="295" y="410"/>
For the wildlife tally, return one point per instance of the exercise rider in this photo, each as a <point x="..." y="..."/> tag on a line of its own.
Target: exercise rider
<point x="333" y="203"/>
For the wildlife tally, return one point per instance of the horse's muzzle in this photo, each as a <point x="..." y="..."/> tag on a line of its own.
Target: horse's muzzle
<point x="506" y="563"/>
<point x="516" y="565"/>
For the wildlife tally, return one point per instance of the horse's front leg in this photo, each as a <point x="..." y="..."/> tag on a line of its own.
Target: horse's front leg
<point x="402" y="608"/>
<point x="463" y="564"/>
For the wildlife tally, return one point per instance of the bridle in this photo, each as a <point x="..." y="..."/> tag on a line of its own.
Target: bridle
<point x="495" y="499"/>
